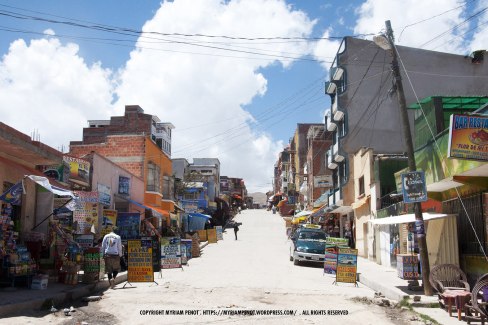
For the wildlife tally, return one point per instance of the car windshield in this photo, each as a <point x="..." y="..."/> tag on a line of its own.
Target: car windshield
<point x="312" y="235"/>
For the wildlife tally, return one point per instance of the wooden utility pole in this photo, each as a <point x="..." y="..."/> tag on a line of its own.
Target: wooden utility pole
<point x="424" y="255"/>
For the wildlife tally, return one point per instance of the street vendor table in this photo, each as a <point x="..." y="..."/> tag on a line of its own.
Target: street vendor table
<point x="458" y="297"/>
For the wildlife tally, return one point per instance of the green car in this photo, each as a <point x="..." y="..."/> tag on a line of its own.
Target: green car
<point x="308" y="246"/>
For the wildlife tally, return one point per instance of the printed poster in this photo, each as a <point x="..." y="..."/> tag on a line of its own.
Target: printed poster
<point x="104" y="194"/>
<point x="109" y="220"/>
<point x="79" y="170"/>
<point x="85" y="241"/>
<point x="184" y="256"/>
<point x="220" y="235"/>
<point x="139" y="261"/>
<point x="188" y="244"/>
<point x="170" y="252"/>
<point x="330" y="260"/>
<point x="347" y="263"/>
<point x="86" y="213"/>
<point x="128" y="224"/>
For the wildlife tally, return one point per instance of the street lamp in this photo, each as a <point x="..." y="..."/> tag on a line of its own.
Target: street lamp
<point x="386" y="42"/>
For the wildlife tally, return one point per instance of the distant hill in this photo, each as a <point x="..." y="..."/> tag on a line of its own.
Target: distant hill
<point x="258" y="197"/>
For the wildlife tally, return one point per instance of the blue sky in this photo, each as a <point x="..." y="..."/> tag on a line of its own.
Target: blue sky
<point x="225" y="100"/>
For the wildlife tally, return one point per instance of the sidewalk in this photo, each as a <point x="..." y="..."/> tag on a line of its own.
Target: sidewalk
<point x="385" y="280"/>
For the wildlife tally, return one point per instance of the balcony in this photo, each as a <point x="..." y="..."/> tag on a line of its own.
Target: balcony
<point x="330" y="163"/>
<point x="338" y="115"/>
<point x="337" y="156"/>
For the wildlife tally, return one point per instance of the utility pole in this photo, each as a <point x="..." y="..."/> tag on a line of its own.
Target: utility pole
<point x="424" y="255"/>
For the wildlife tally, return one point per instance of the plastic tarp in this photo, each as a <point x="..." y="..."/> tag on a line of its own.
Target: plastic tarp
<point x="196" y="221"/>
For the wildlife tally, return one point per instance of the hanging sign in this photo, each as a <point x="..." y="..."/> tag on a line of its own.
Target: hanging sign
<point x="347" y="263"/>
<point x="468" y="137"/>
<point x="139" y="261"/>
<point x="413" y="187"/>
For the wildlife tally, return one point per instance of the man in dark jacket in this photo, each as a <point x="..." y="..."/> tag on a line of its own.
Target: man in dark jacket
<point x="236" y="229"/>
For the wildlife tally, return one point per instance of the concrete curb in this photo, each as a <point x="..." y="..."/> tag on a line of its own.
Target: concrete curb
<point x="60" y="298"/>
<point x="387" y="291"/>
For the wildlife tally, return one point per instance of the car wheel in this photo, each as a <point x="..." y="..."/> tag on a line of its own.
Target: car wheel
<point x="295" y="262"/>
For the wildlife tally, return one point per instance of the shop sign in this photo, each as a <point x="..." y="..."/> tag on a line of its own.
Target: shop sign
<point x="156" y="254"/>
<point x="124" y="185"/>
<point x="347" y="262"/>
<point x="79" y="170"/>
<point x="337" y="241"/>
<point x="188" y="244"/>
<point x="413" y="187"/>
<point x="170" y="252"/>
<point x="322" y="181"/>
<point x="104" y="194"/>
<point x="128" y="225"/>
<point x="330" y="260"/>
<point x="86" y="212"/>
<point x="109" y="220"/>
<point x="139" y="261"/>
<point x="212" y="236"/>
<point x="468" y="137"/>
<point x="85" y="241"/>
<point x="220" y="235"/>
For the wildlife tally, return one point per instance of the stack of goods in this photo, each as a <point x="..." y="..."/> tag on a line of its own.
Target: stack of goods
<point x="7" y="236"/>
<point x="195" y="245"/>
<point x="20" y="262"/>
<point x="91" y="265"/>
<point x="72" y="264"/>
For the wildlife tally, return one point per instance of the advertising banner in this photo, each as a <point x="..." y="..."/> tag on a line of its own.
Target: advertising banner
<point x="139" y="261"/>
<point x="413" y="187"/>
<point x="212" y="236"/>
<point x="347" y="262"/>
<point x="86" y="213"/>
<point x="220" y="234"/>
<point x="468" y="137"/>
<point x="330" y="260"/>
<point x="109" y="219"/>
<point x="337" y="241"/>
<point x="128" y="224"/>
<point x="79" y="170"/>
<point x="170" y="252"/>
<point x="124" y="185"/>
<point x="104" y="194"/>
<point x="188" y="244"/>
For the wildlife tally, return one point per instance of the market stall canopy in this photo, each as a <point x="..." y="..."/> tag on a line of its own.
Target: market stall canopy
<point x="44" y="182"/>
<point x="303" y="213"/>
<point x="406" y="218"/>
<point x="299" y="219"/>
<point x="196" y="221"/>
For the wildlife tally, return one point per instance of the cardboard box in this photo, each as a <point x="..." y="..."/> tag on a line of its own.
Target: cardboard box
<point x="39" y="282"/>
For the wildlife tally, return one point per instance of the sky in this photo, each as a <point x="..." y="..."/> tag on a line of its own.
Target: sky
<point x="234" y="77"/>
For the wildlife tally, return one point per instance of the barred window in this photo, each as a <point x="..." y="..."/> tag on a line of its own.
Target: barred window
<point x="153" y="183"/>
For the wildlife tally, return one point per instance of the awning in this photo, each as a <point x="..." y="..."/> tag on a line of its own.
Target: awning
<point x="200" y="215"/>
<point x="406" y="218"/>
<point x="361" y="202"/>
<point x="157" y="211"/>
<point x="44" y="182"/>
<point x="303" y="213"/>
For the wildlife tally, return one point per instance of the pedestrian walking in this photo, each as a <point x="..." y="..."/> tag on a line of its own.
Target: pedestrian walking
<point x="112" y="252"/>
<point x="236" y="229"/>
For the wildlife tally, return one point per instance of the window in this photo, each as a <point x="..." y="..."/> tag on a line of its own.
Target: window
<point x="361" y="185"/>
<point x="153" y="178"/>
<point x="167" y="188"/>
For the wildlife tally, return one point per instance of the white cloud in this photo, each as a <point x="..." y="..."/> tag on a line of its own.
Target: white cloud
<point x="325" y="50"/>
<point x="373" y="14"/>
<point x="203" y="94"/>
<point x="480" y="38"/>
<point x="47" y="86"/>
<point x="49" y="32"/>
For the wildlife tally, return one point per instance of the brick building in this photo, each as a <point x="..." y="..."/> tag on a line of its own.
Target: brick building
<point x="139" y="143"/>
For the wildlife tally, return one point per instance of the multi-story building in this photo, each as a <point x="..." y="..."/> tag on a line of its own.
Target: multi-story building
<point x="139" y="143"/>
<point x="364" y="112"/>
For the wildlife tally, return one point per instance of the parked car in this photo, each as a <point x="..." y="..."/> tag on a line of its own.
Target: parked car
<point x="308" y="245"/>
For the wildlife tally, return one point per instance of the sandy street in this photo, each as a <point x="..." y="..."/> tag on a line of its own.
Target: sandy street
<point x="233" y="282"/>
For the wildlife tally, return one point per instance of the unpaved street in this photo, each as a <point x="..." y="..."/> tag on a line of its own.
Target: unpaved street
<point x="230" y="283"/>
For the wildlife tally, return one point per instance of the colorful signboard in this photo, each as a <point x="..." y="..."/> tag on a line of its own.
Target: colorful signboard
<point x="86" y="213"/>
<point x="468" y="137"/>
<point x="156" y="252"/>
<point x="407" y="266"/>
<point x="85" y="241"/>
<point x="220" y="234"/>
<point x="139" y="261"/>
<point x="128" y="225"/>
<point x="212" y="236"/>
<point x="330" y="260"/>
<point x="170" y="252"/>
<point x="413" y="187"/>
<point x="202" y="234"/>
<point x="79" y="170"/>
<point x="337" y="241"/>
<point x="188" y="244"/>
<point x="104" y="194"/>
<point x="347" y="265"/>
<point x="322" y="181"/>
<point x="109" y="219"/>
<point x="124" y="185"/>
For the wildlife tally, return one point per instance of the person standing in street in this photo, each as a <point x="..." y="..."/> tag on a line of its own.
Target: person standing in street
<point x="112" y="252"/>
<point x="236" y="229"/>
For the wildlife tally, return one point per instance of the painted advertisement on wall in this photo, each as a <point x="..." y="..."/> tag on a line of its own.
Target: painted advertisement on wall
<point x="468" y="137"/>
<point x="170" y="252"/>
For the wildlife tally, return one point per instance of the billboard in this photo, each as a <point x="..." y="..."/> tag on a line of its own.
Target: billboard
<point x="468" y="137"/>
